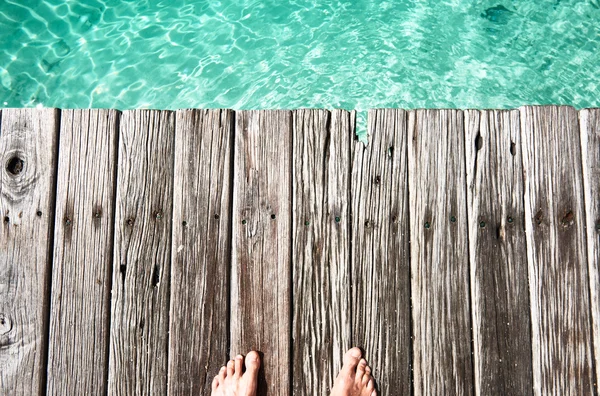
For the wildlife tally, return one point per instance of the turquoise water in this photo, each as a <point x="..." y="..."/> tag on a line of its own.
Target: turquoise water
<point x="250" y="54"/>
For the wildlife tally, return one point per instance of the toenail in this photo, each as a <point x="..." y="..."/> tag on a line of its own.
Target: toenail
<point x="239" y="357"/>
<point x="355" y="352"/>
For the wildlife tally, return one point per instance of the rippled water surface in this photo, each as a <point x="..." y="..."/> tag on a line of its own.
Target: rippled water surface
<point x="246" y="54"/>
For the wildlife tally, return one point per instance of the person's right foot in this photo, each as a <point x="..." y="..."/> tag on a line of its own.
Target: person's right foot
<point x="355" y="377"/>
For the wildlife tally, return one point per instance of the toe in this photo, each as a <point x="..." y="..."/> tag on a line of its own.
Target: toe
<point x="351" y="359"/>
<point x="239" y="365"/>
<point x="252" y="363"/>
<point x="221" y="376"/>
<point x="365" y="379"/>
<point x="230" y="368"/>
<point x="360" y="369"/>
<point x="215" y="383"/>
<point x="371" y="385"/>
<point x="374" y="393"/>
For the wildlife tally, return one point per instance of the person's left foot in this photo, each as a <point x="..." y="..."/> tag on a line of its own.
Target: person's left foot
<point x="233" y="380"/>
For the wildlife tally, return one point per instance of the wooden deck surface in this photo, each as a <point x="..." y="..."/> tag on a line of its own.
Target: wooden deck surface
<point x="140" y="250"/>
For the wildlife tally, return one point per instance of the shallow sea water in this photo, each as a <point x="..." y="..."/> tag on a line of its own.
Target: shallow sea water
<point x="249" y="54"/>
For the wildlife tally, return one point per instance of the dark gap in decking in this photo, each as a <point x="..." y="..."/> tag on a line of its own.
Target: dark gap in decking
<point x="478" y="146"/>
<point x="170" y="254"/>
<point x="229" y="267"/>
<point x="292" y="127"/>
<point x="50" y="261"/>
<point x="111" y="263"/>
<point x="406" y="204"/>
<point x="351" y="148"/>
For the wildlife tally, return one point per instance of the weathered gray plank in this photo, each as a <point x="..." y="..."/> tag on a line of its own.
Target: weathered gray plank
<point x="380" y="251"/>
<point x="499" y="284"/>
<point x="556" y="251"/>
<point x="439" y="256"/>
<point x="142" y="255"/>
<point x="321" y="247"/>
<point x="28" y="147"/>
<point x="590" y="146"/>
<point x="199" y="324"/>
<point x="83" y="241"/>
<point x="261" y="267"/>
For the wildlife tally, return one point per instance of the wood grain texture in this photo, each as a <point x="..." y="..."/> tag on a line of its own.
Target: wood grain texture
<point x="321" y="249"/>
<point x="199" y="324"/>
<point x="261" y="262"/>
<point x="28" y="145"/>
<point x="142" y="255"/>
<point x="439" y="256"/>
<point x="556" y="251"/>
<point x="499" y="283"/>
<point x="380" y="251"/>
<point x="590" y="146"/>
<point x="83" y="246"/>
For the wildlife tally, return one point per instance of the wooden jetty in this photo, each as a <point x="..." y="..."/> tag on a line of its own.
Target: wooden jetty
<point x="140" y="250"/>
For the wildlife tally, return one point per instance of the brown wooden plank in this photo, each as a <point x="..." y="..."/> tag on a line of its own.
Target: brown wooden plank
<point x="556" y="251"/>
<point x="141" y="270"/>
<point x="590" y="146"/>
<point x="28" y="145"/>
<point x="261" y="266"/>
<point x="199" y="325"/>
<point x="81" y="277"/>
<point x="321" y="247"/>
<point x="380" y="251"/>
<point x="499" y="283"/>
<point x="439" y="255"/>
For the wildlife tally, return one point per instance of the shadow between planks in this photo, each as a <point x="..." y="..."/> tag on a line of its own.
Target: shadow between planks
<point x="140" y="250"/>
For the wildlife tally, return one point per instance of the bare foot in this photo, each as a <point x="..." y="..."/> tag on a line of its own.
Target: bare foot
<point x="232" y="380"/>
<point x="355" y="377"/>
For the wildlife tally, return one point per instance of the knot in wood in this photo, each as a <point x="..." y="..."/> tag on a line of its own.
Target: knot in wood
<point x="15" y="165"/>
<point x="539" y="217"/>
<point x="5" y="324"/>
<point x="568" y="219"/>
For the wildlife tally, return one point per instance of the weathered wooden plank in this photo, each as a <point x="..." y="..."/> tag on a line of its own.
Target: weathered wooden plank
<point x="199" y="324"/>
<point x="556" y="251"/>
<point x="142" y="255"/>
<point x="380" y="251"/>
<point x="439" y="255"/>
<point x="28" y="148"/>
<point x="83" y="241"/>
<point x="590" y="146"/>
<point x="261" y="265"/>
<point x="321" y="247"/>
<point x="499" y="283"/>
